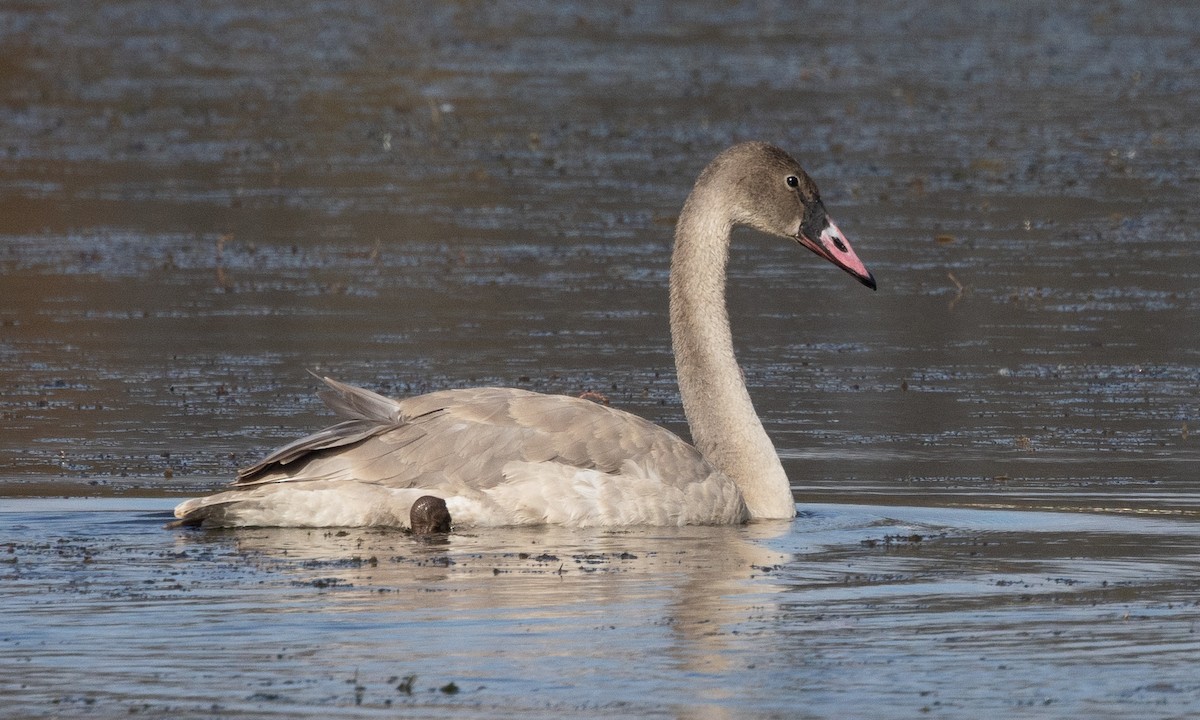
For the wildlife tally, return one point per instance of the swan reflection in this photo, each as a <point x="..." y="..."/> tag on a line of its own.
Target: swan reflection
<point x="494" y="599"/>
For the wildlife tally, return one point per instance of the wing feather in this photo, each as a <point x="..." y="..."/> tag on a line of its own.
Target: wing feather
<point x="489" y="444"/>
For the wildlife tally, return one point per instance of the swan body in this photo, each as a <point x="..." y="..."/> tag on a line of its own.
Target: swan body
<point x="501" y="456"/>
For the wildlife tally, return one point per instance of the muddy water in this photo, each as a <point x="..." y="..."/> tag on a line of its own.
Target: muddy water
<point x="198" y="204"/>
<point x="851" y="611"/>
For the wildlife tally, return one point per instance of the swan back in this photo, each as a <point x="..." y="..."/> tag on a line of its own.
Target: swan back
<point x="498" y="456"/>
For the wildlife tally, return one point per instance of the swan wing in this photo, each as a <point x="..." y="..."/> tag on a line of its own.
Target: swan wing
<point x="466" y="438"/>
<point x="498" y="456"/>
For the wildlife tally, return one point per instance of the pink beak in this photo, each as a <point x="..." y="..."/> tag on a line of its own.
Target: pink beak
<point x="833" y="246"/>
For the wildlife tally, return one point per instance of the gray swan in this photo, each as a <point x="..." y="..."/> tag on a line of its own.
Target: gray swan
<point x="501" y="456"/>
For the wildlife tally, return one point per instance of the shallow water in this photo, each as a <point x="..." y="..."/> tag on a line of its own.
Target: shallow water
<point x="907" y="611"/>
<point x="199" y="203"/>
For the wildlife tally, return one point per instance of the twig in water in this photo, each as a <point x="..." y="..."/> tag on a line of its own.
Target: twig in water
<point x="961" y="289"/>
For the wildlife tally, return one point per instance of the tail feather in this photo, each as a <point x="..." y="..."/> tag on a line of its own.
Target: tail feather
<point x="365" y="414"/>
<point x="355" y="403"/>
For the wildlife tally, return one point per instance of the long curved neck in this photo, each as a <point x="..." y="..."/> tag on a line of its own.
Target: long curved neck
<point x="725" y="427"/>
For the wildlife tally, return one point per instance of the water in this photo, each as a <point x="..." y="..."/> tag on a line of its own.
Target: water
<point x="851" y="611"/>
<point x="199" y="204"/>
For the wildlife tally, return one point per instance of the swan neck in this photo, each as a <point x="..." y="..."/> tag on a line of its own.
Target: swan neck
<point x="724" y="425"/>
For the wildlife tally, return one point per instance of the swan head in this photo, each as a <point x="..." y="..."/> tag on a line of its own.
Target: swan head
<point x="773" y="194"/>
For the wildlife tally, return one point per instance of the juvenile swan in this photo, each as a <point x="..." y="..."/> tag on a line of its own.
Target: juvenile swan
<point x="501" y="456"/>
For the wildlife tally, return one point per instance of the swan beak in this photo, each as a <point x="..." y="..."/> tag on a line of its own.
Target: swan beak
<point x="832" y="245"/>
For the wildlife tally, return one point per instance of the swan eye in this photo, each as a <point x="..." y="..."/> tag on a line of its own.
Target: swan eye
<point x="793" y="181"/>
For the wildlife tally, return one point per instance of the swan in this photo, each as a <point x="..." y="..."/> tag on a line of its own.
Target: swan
<point x="502" y="456"/>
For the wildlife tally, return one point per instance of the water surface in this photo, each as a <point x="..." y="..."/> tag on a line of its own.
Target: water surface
<point x="198" y="204"/>
<point x="907" y="611"/>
